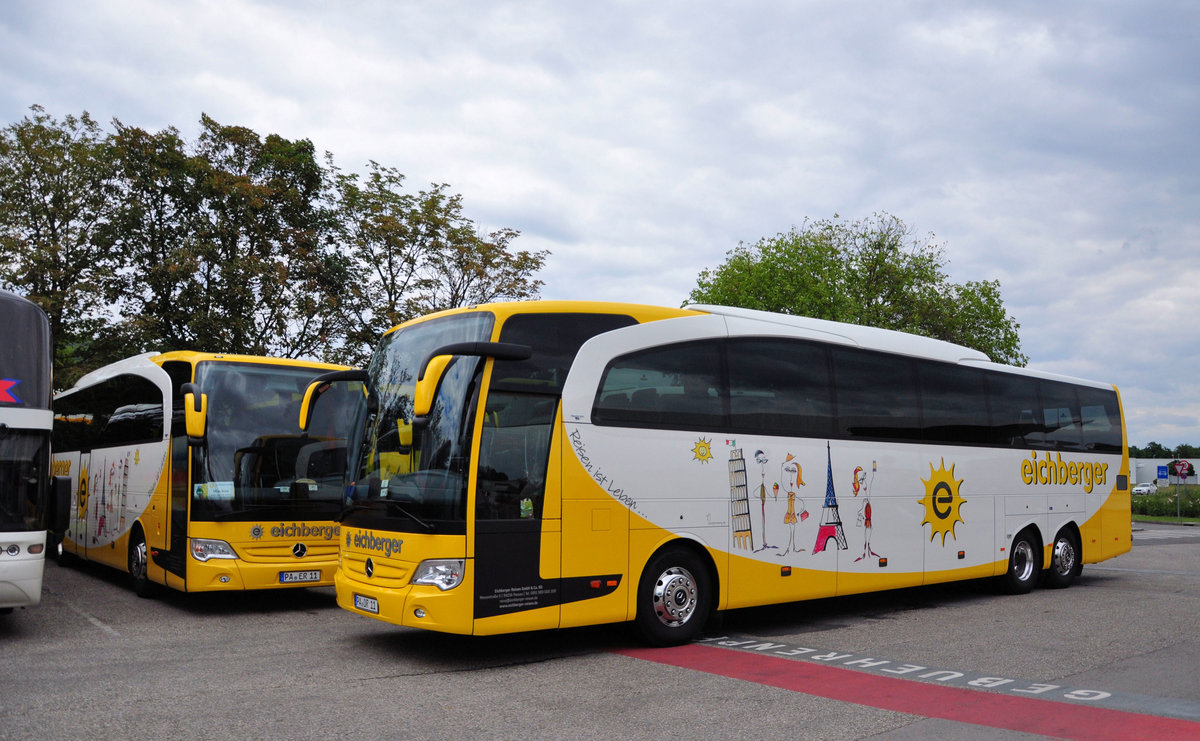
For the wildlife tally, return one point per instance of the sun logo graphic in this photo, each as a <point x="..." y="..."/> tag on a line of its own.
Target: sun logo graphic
<point x="703" y="450"/>
<point x="942" y="501"/>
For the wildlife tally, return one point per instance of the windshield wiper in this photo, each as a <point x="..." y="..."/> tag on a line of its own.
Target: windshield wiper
<point x="392" y="506"/>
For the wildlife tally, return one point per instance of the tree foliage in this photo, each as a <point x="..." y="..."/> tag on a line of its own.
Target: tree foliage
<point x="869" y="272"/>
<point x="57" y="190"/>
<point x="236" y="242"/>
<point x="1154" y="449"/>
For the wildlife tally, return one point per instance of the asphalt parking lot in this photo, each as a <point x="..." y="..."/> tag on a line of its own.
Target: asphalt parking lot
<point x="1116" y="652"/>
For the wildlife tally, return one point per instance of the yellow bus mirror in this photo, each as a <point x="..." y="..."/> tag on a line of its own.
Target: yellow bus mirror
<point x="310" y="398"/>
<point x="405" y="430"/>
<point x="195" y="412"/>
<point x="428" y="385"/>
<point x="322" y="383"/>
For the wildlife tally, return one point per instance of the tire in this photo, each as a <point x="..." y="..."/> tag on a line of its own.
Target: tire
<point x="1024" y="564"/>
<point x="1065" y="561"/>
<point x="675" y="598"/>
<point x="65" y="558"/>
<point x="139" y="559"/>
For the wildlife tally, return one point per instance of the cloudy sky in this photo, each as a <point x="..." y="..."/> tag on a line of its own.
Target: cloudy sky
<point x="1051" y="146"/>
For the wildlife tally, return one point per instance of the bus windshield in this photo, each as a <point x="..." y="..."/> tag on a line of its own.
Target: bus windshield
<point x="255" y="457"/>
<point x="417" y="482"/>
<point x="24" y="459"/>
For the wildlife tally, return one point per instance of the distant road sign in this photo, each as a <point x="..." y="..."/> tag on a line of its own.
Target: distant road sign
<point x="1181" y="469"/>
<point x="1163" y="472"/>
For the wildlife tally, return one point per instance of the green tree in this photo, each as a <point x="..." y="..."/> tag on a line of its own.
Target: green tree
<point x="869" y="272"/>
<point x="155" y="222"/>
<point x="1151" y="450"/>
<point x="465" y="266"/>
<point x="411" y="254"/>
<point x="56" y="193"/>
<point x="263" y="271"/>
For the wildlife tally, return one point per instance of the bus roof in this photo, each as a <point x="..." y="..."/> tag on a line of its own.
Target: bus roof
<point x="189" y="356"/>
<point x="26" y="363"/>
<point x="502" y="310"/>
<point x="741" y="322"/>
<point x="887" y="340"/>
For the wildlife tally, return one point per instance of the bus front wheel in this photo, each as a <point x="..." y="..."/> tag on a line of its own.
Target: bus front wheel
<point x="1024" y="564"/>
<point x="674" y="598"/>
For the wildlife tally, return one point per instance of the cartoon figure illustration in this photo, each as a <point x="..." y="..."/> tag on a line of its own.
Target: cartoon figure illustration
<point x="831" y="521"/>
<point x="793" y="477"/>
<point x="864" y="513"/>
<point x="761" y="459"/>
<point x="739" y="496"/>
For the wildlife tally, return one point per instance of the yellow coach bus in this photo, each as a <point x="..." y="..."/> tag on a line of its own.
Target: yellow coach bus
<point x="552" y="464"/>
<point x="189" y="471"/>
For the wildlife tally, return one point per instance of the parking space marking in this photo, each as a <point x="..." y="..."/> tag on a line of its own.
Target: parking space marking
<point x="1027" y="713"/>
<point x="103" y="626"/>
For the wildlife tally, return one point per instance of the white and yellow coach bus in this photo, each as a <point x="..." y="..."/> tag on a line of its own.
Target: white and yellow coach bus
<point x="188" y="470"/>
<point x="553" y="464"/>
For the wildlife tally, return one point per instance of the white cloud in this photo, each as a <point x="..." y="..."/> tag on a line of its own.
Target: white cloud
<point x="1049" y="147"/>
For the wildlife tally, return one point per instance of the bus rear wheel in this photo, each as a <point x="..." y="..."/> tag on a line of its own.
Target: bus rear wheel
<point x="139" y="559"/>
<point x="1065" y="563"/>
<point x="1024" y="564"/>
<point x="674" y="598"/>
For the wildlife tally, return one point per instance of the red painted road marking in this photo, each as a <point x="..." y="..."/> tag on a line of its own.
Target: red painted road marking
<point x="1025" y="714"/>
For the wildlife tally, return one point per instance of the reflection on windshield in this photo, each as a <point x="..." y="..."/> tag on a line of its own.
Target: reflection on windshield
<point x="256" y="458"/>
<point x="420" y="478"/>
<point x="24" y="459"/>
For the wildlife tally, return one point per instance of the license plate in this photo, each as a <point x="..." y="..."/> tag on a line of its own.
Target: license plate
<point x="297" y="577"/>
<point x="366" y="604"/>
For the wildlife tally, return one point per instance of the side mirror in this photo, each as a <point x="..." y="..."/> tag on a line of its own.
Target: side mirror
<point x="322" y="383"/>
<point x="195" y="412"/>
<point x="430" y="376"/>
<point x="61" y="501"/>
<point x="427" y="385"/>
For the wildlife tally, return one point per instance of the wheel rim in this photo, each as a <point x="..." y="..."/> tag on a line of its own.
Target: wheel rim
<point x="137" y="561"/>
<point x="1064" y="556"/>
<point x="1022" y="561"/>
<point x="675" y="597"/>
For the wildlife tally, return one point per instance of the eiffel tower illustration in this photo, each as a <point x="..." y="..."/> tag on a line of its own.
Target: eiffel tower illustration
<point x="831" y="521"/>
<point x="739" y="500"/>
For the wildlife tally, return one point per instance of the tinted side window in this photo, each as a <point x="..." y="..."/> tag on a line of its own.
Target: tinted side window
<point x="876" y="395"/>
<point x="134" y="407"/>
<point x="780" y="387"/>
<point x="556" y="339"/>
<point x="1060" y="411"/>
<point x="672" y="387"/>
<point x="1101" y="418"/>
<point x="1016" y="410"/>
<point x="954" y="404"/>
<point x="124" y="410"/>
<point x="75" y="425"/>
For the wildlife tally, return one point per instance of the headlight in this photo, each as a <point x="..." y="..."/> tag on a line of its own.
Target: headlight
<point x="202" y="549"/>
<point x="445" y="574"/>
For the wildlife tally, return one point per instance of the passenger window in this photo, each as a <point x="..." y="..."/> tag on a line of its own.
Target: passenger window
<point x="1061" y="414"/>
<point x="953" y="404"/>
<point x="671" y="387"/>
<point x="1016" y="411"/>
<point x="876" y="395"/>
<point x="780" y="387"/>
<point x="1101" y="420"/>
